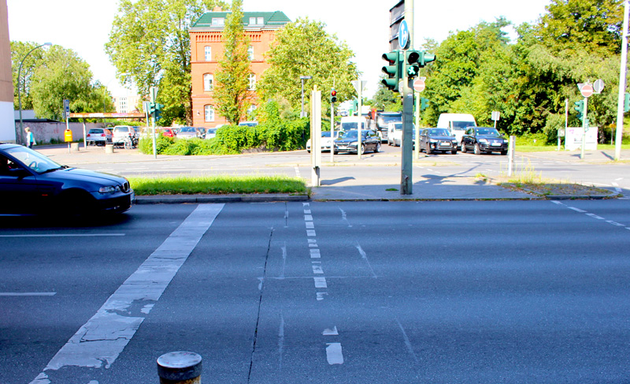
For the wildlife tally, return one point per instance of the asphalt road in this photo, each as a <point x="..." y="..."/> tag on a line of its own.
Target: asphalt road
<point x="337" y="292"/>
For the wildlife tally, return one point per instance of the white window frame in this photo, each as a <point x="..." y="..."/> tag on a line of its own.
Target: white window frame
<point x="208" y="82"/>
<point x="250" y="53"/>
<point x="207" y="51"/>
<point x="251" y="82"/>
<point x="208" y="113"/>
<point x="218" y="22"/>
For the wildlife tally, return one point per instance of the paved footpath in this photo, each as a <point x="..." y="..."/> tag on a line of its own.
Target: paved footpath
<point x="360" y="188"/>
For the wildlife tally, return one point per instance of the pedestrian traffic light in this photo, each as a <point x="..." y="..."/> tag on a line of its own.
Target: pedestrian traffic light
<point x="393" y="70"/>
<point x="626" y="103"/>
<point x="424" y="103"/>
<point x="151" y="110"/>
<point x="417" y="60"/>
<point x="333" y="96"/>
<point x="579" y="108"/>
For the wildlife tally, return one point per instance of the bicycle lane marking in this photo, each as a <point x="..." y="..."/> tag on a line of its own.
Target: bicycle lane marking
<point x="99" y="342"/>
<point x="334" y="350"/>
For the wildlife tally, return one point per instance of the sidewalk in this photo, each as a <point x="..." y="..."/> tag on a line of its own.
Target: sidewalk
<point x="432" y="187"/>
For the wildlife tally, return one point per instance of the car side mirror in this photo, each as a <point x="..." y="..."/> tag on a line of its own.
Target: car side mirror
<point x="18" y="172"/>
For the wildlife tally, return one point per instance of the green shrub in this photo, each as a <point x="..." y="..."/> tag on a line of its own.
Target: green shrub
<point x="162" y="143"/>
<point x="532" y="139"/>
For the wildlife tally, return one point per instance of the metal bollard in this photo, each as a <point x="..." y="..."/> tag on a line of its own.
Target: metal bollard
<point x="179" y="368"/>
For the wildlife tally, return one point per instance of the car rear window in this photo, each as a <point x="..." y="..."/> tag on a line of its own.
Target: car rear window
<point x="95" y="130"/>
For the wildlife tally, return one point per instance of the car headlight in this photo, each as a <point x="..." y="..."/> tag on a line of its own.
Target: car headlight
<point x="432" y="141"/>
<point x="485" y="141"/>
<point x="108" y="189"/>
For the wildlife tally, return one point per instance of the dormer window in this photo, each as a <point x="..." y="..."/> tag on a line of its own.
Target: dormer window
<point x="256" y="21"/>
<point x="218" y="22"/>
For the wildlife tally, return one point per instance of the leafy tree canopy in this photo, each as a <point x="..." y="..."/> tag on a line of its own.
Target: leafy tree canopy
<point x="304" y="48"/>
<point x="150" y="46"/>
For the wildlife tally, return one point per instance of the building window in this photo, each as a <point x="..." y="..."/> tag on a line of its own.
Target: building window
<point x="218" y="22"/>
<point x="209" y="113"/>
<point x="256" y="21"/>
<point x="250" y="111"/>
<point x="208" y="52"/>
<point x="250" y="53"/>
<point x="208" y="81"/>
<point x="252" y="82"/>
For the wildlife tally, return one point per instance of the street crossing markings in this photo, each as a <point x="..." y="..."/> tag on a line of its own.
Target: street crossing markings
<point x="99" y="342"/>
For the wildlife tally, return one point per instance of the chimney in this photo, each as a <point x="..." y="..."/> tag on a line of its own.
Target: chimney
<point x="217" y="9"/>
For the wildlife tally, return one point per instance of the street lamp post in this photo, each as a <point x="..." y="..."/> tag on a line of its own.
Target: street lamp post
<point x="18" y="133"/>
<point x="302" y="78"/>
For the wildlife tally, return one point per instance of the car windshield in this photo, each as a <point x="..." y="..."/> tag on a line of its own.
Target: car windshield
<point x="438" y="132"/>
<point x="461" y="125"/>
<point x="390" y="118"/>
<point x="34" y="160"/>
<point x="488" y="132"/>
<point x="351" y="134"/>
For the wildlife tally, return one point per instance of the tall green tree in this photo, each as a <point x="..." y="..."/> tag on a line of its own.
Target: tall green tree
<point x="590" y="25"/>
<point x="19" y="50"/>
<point x="231" y="91"/>
<point x="304" y="48"/>
<point x="149" y="45"/>
<point x="52" y="75"/>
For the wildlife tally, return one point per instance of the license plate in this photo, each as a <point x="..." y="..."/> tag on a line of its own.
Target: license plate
<point x="495" y="144"/>
<point x="445" y="144"/>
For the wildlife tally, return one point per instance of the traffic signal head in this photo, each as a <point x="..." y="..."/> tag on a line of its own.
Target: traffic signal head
<point x="417" y="60"/>
<point x="626" y="104"/>
<point x="158" y="111"/>
<point x="424" y="103"/>
<point x="393" y="70"/>
<point x="333" y="96"/>
<point x="579" y="108"/>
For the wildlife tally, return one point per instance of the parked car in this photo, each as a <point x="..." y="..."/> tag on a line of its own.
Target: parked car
<point x="484" y="140"/>
<point x="31" y="183"/>
<point x="394" y="134"/>
<point x="248" y="123"/>
<point x="168" y="132"/>
<point x="210" y="133"/>
<point x="326" y="141"/>
<point x="121" y="133"/>
<point x="437" y="139"/>
<point x="188" y="133"/>
<point x="99" y="136"/>
<point x="348" y="141"/>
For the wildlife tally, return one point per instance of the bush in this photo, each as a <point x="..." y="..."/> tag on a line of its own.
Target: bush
<point x="532" y="139"/>
<point x="162" y="143"/>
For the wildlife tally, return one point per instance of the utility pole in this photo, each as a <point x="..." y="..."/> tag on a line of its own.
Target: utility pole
<point x="622" y="82"/>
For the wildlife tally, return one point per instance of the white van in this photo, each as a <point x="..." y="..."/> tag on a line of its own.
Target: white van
<point x="456" y="123"/>
<point x="352" y="122"/>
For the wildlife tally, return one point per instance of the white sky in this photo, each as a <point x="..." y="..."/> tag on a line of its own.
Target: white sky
<point x="84" y="25"/>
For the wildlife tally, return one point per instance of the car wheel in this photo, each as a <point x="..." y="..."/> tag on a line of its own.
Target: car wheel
<point x="454" y="151"/>
<point x="428" y="149"/>
<point x="377" y="148"/>
<point x="362" y="149"/>
<point x="477" y="149"/>
<point x="463" y="147"/>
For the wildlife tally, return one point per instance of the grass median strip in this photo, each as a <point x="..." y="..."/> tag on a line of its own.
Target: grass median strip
<point x="220" y="185"/>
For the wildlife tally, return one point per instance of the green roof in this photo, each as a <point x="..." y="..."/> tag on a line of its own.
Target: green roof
<point x="261" y="20"/>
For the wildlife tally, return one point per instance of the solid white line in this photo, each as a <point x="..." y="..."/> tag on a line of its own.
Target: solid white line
<point x="26" y="294"/>
<point x="66" y="235"/>
<point x="99" y="342"/>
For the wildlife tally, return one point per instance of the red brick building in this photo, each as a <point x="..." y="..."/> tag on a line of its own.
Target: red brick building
<point x="206" y="47"/>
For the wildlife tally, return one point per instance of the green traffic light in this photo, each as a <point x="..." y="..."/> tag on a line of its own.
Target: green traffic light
<point x="393" y="70"/>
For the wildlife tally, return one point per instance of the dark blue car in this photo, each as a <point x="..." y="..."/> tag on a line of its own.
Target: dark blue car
<point x="31" y="183"/>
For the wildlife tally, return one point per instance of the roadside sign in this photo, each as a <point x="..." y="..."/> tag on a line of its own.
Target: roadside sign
<point x="598" y="86"/>
<point x="496" y="115"/>
<point x="586" y="90"/>
<point x="403" y="35"/>
<point x="66" y="109"/>
<point x="418" y="84"/>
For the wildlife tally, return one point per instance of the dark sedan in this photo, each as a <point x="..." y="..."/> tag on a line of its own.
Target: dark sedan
<point x="31" y="183"/>
<point x="437" y="139"/>
<point x="484" y="140"/>
<point x="348" y="141"/>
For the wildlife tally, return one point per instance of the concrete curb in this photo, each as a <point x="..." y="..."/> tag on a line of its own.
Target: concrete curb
<point x="199" y="199"/>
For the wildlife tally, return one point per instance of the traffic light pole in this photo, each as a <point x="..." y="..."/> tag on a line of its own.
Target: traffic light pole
<point x="406" y="177"/>
<point x="622" y="82"/>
